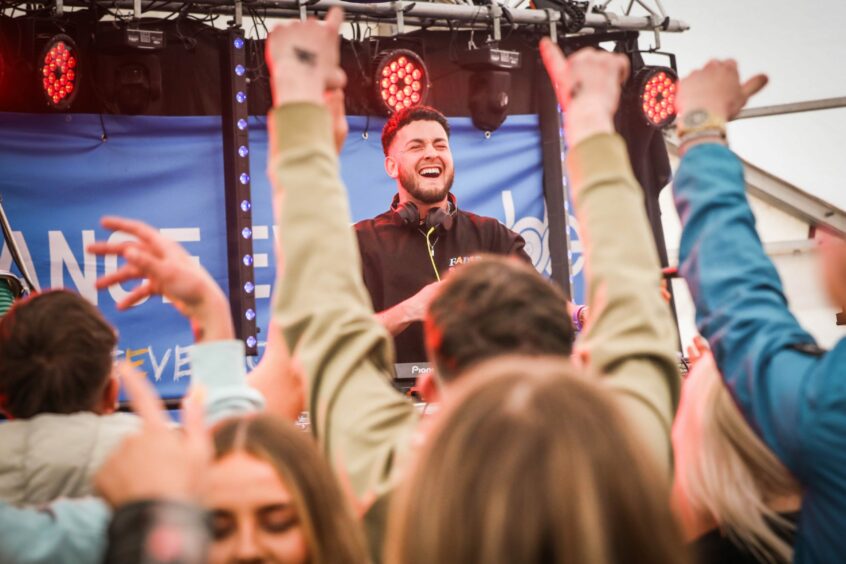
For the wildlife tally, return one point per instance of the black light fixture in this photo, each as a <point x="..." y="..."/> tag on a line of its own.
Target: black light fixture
<point x="489" y="86"/>
<point x="488" y="98"/>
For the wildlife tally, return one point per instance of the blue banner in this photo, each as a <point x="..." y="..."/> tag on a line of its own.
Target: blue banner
<point x="62" y="172"/>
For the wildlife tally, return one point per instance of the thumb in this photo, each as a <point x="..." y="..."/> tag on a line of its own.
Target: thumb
<point x="753" y="85"/>
<point x="553" y="60"/>
<point x="334" y="18"/>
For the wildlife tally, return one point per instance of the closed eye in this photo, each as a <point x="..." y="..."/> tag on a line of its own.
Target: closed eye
<point x="277" y="518"/>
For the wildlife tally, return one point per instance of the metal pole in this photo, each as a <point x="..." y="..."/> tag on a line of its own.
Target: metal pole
<point x="14" y="251"/>
<point x="786" y="197"/>
<point x="424" y="10"/>
<point x="793" y="108"/>
<point x="553" y="179"/>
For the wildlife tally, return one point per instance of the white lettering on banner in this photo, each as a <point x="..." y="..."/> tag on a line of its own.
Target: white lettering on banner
<point x="158" y="367"/>
<point x="416" y="369"/>
<point x="61" y="255"/>
<point x="182" y="364"/>
<point x="534" y="232"/>
<point x="261" y="233"/>
<point x="26" y="257"/>
<point x="141" y="356"/>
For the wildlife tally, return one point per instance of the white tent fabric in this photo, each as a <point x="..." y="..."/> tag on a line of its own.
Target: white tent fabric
<point x="800" y="47"/>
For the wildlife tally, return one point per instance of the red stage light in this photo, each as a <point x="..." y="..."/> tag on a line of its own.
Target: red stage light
<point x="657" y="95"/>
<point x="402" y="80"/>
<point x="60" y="76"/>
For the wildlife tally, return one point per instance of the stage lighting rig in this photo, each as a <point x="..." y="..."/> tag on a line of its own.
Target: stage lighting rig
<point x="401" y="80"/>
<point x="656" y="87"/>
<point x="59" y="71"/>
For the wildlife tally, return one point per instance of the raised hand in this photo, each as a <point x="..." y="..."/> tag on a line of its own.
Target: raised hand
<point x="167" y="270"/>
<point x="588" y="86"/>
<point x="159" y="462"/>
<point x="716" y="87"/>
<point x="304" y="59"/>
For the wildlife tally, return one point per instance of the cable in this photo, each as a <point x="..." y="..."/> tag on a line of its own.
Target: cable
<point x="432" y="252"/>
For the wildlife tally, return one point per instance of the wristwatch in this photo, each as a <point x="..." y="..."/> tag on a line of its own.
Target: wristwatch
<point x="698" y="123"/>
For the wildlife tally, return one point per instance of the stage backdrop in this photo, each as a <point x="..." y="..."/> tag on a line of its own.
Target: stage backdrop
<point x="62" y="172"/>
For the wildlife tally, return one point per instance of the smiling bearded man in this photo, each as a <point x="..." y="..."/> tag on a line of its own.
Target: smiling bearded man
<point x="409" y="248"/>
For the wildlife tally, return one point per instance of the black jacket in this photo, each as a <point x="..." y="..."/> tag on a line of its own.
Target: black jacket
<point x="396" y="264"/>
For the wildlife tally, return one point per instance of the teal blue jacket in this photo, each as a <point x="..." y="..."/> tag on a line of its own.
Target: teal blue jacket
<point x="791" y="392"/>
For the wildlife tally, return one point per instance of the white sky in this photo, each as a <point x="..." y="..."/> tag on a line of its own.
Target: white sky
<point x="802" y="47"/>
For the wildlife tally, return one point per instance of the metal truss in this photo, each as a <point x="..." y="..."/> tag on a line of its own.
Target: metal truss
<point x="596" y="17"/>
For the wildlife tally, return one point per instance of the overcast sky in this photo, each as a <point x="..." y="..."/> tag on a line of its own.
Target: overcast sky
<point x="802" y="47"/>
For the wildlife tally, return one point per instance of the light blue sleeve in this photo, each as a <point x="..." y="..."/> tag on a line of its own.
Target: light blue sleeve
<point x="219" y="367"/>
<point x="72" y="531"/>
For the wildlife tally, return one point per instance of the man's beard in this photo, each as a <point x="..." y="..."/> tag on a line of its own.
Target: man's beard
<point x="410" y="181"/>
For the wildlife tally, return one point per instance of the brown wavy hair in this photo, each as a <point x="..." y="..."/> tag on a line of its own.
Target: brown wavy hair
<point x="493" y="306"/>
<point x="331" y="531"/>
<point x="533" y="464"/>
<point x="55" y="355"/>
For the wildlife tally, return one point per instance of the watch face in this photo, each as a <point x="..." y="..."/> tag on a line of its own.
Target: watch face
<point x="694" y="118"/>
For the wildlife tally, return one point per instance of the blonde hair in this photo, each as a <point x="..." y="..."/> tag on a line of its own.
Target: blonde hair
<point x="532" y="464"/>
<point x="725" y="471"/>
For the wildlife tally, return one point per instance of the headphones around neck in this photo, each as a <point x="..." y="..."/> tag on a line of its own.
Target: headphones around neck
<point x="408" y="214"/>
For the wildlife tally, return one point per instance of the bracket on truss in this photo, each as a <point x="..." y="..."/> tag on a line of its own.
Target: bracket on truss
<point x="496" y="17"/>
<point x="553" y="25"/>
<point x="60" y="7"/>
<point x="239" y="13"/>
<point x="401" y="8"/>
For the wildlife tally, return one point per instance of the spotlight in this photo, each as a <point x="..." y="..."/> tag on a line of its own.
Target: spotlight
<point x="656" y="88"/>
<point x="59" y="65"/>
<point x="490" y="84"/>
<point x="488" y="98"/>
<point x="401" y="80"/>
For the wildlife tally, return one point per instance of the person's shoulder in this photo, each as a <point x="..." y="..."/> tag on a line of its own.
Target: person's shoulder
<point x="483" y="221"/>
<point x="381" y="221"/>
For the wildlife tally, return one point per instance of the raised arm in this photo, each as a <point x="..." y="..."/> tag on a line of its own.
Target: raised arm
<point x="165" y="268"/>
<point x="319" y="300"/>
<point x="629" y="338"/>
<point x="767" y="360"/>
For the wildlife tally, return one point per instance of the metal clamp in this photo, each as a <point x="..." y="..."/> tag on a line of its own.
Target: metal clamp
<point x="400" y="10"/>
<point x="303" y="5"/>
<point x="496" y="17"/>
<point x="239" y="13"/>
<point x="553" y="25"/>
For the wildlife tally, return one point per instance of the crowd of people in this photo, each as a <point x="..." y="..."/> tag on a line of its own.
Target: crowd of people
<point x="546" y="448"/>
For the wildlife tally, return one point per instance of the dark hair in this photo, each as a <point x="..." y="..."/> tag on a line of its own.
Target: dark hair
<point x="406" y="116"/>
<point x="532" y="463"/>
<point x="495" y="306"/>
<point x="55" y="355"/>
<point x="331" y="530"/>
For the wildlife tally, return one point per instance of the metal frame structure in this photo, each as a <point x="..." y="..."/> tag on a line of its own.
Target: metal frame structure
<point x="777" y="192"/>
<point x="404" y="13"/>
